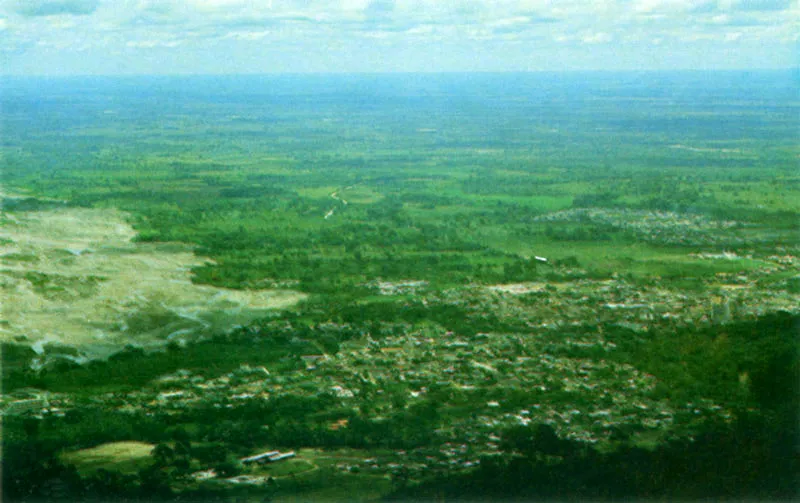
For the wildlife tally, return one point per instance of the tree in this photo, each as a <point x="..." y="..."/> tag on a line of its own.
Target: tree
<point x="229" y="467"/>
<point x="162" y="455"/>
<point x="531" y="442"/>
<point x="154" y="483"/>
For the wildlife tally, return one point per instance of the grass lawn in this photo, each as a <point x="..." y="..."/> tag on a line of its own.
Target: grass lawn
<point x="124" y="457"/>
<point x="285" y="468"/>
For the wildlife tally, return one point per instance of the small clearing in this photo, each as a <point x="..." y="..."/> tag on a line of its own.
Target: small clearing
<point x="125" y="457"/>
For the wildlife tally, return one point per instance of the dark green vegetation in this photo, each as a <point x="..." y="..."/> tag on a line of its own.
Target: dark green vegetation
<point x="444" y="178"/>
<point x="654" y="353"/>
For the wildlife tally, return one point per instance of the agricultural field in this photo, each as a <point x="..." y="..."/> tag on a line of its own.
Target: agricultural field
<point x="492" y="286"/>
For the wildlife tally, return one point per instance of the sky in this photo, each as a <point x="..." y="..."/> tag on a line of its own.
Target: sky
<point x="117" y="37"/>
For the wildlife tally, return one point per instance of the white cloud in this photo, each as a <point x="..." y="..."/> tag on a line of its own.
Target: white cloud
<point x="662" y="5"/>
<point x="195" y="29"/>
<point x="511" y="21"/>
<point x="45" y="8"/>
<point x="150" y="44"/>
<point x="757" y="5"/>
<point x="733" y="36"/>
<point x="219" y="4"/>
<point x="246" y="35"/>
<point x="597" y="38"/>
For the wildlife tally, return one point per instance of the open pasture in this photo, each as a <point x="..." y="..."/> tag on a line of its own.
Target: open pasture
<point x="124" y="457"/>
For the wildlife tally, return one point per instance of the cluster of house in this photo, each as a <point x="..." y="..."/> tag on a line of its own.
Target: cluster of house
<point x="663" y="227"/>
<point x="486" y="368"/>
<point x="507" y="378"/>
<point x="34" y="402"/>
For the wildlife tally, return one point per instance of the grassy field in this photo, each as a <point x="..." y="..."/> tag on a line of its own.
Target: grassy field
<point x="123" y="457"/>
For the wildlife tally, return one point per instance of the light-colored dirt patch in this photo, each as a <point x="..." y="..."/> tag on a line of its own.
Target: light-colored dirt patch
<point x="519" y="288"/>
<point x="735" y="287"/>
<point x="74" y="276"/>
<point x="399" y="287"/>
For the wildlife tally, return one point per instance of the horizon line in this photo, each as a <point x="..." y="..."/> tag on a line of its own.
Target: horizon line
<point x="422" y="72"/>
